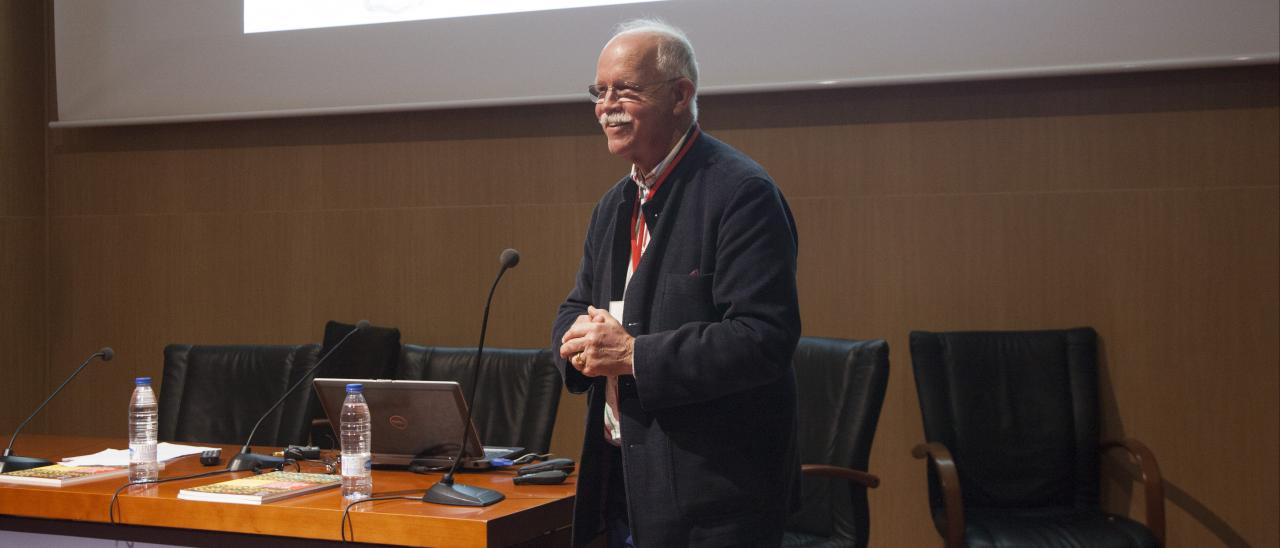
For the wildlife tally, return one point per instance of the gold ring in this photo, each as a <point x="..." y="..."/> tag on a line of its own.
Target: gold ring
<point x="578" y="359"/>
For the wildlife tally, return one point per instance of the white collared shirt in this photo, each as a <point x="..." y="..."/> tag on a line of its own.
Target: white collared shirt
<point x="612" y="423"/>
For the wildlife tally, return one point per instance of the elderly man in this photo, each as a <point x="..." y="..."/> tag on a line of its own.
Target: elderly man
<point x="682" y="322"/>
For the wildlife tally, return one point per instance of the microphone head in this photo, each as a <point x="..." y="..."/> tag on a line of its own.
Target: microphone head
<point x="107" y="353"/>
<point x="362" y="325"/>
<point x="509" y="258"/>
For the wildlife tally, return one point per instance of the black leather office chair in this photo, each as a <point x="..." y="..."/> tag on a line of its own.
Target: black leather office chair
<point x="371" y="353"/>
<point x="841" y="385"/>
<point x="1011" y="430"/>
<point x="517" y="395"/>
<point x="215" y="394"/>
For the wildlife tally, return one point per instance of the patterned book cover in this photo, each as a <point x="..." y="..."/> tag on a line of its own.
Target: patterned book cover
<point x="261" y="489"/>
<point x="60" y="475"/>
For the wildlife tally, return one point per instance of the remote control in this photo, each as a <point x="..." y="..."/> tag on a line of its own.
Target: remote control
<point x="563" y="464"/>
<point x="549" y="477"/>
<point x="212" y="457"/>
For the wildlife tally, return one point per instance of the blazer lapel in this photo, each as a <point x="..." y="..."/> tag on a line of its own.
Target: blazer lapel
<point x="620" y="246"/>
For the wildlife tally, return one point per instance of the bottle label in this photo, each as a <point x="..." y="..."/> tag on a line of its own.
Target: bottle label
<point x="142" y="452"/>
<point x="356" y="465"/>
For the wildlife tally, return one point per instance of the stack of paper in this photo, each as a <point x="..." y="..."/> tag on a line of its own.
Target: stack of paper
<point x="165" y="451"/>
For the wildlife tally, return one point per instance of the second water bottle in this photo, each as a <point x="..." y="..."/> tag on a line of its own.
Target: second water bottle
<point x="143" y="432"/>
<point x="357" y="466"/>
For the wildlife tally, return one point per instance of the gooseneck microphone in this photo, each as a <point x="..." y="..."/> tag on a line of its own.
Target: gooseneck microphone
<point x="12" y="463"/>
<point x="247" y="459"/>
<point x="445" y="491"/>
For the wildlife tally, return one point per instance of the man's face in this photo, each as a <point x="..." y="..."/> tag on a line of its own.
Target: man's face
<point x="641" y="126"/>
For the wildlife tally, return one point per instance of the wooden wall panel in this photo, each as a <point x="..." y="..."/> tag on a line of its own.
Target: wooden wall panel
<point x="187" y="181"/>
<point x="432" y="283"/>
<point x="465" y="172"/>
<point x="113" y="282"/>
<point x="22" y="107"/>
<point x="23" y="363"/>
<point x="246" y="275"/>
<point x="1029" y="154"/>
<point x="1145" y="205"/>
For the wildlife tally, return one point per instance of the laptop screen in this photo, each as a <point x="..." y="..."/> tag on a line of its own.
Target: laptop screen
<point x="411" y="419"/>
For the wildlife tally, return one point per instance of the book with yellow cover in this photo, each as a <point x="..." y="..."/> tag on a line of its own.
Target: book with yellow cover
<point x="61" y="475"/>
<point x="261" y="489"/>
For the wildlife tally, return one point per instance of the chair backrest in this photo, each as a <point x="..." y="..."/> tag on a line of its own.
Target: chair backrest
<point x="1019" y="412"/>
<point x="215" y="394"/>
<point x="370" y="354"/>
<point x="841" y="385"/>
<point x="519" y="389"/>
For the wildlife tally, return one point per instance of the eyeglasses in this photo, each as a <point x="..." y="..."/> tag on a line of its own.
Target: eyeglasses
<point x="623" y="91"/>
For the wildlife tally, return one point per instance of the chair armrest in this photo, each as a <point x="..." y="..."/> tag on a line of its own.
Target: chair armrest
<point x="945" y="466"/>
<point x="840" y="472"/>
<point x="1152" y="481"/>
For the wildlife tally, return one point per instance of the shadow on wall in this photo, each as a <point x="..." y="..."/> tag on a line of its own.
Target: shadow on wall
<point x="1119" y="475"/>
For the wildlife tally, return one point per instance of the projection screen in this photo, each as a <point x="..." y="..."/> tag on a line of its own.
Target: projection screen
<point x="150" y="61"/>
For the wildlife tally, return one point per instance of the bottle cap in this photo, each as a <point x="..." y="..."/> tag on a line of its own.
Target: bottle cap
<point x="141" y="381"/>
<point x="355" y="387"/>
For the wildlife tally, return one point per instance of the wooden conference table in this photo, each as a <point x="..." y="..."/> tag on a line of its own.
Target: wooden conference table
<point x="531" y="515"/>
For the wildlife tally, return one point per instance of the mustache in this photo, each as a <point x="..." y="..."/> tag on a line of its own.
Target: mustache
<point x="614" y="118"/>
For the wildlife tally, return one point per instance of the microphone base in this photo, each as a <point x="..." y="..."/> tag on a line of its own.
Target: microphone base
<point x="13" y="463"/>
<point x="461" y="495"/>
<point x="255" y="463"/>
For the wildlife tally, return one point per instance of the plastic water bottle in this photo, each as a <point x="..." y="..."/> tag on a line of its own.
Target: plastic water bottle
<point x="357" y="466"/>
<point x="143" y="423"/>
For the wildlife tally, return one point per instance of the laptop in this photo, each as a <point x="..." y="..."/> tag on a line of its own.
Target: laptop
<point x="415" y="423"/>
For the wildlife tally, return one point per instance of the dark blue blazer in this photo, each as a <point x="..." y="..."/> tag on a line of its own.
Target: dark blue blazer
<point x="708" y="420"/>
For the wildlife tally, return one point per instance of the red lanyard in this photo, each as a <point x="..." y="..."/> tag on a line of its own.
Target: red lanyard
<point x="638" y="229"/>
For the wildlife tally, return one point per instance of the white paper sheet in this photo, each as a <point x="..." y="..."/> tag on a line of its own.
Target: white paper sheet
<point x="165" y="451"/>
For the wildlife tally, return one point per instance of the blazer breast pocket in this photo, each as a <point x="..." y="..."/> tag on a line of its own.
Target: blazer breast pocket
<point x="684" y="298"/>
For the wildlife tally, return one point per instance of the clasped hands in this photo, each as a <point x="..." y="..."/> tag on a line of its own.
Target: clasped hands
<point x="597" y="345"/>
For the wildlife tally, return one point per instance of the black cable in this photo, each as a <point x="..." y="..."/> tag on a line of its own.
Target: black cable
<point x="111" y="508"/>
<point x="330" y="465"/>
<point x="530" y="457"/>
<point x="298" y="456"/>
<point x="347" y="511"/>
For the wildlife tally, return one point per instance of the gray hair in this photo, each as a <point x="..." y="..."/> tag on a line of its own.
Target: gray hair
<point x="675" y="53"/>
